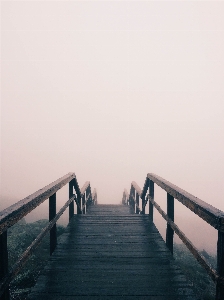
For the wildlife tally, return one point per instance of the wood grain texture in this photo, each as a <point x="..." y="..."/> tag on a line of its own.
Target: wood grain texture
<point x="110" y="253"/>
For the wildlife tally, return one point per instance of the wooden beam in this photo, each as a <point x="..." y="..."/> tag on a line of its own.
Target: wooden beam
<point x="207" y="212"/>
<point x="169" y="230"/>
<point x="200" y="258"/>
<point x="220" y="266"/>
<point x="29" y="251"/>
<point x="53" y="231"/>
<point x="4" y="263"/>
<point x="151" y="195"/>
<point x="17" y="211"/>
<point x="71" y="205"/>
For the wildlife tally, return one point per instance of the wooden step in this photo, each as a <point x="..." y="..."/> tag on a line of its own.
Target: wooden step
<point x="110" y="253"/>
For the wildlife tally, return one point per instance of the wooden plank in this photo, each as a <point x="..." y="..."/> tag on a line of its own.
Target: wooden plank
<point x="151" y="195"/>
<point x="200" y="258"/>
<point x="71" y="205"/>
<point x="84" y="188"/>
<point x="207" y="212"/>
<point x="112" y="255"/>
<point x="29" y="251"/>
<point x="53" y="231"/>
<point x="17" y="211"/>
<point x="220" y="266"/>
<point x="169" y="230"/>
<point x="4" y="263"/>
<point x="137" y="188"/>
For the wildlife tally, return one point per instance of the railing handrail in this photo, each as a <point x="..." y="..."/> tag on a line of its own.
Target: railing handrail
<point x="15" y="212"/>
<point x="12" y="214"/>
<point x="207" y="212"/>
<point x="137" y="188"/>
<point x="94" y="196"/>
<point x="84" y="188"/>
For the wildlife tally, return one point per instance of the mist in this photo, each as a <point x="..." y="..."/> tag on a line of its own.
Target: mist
<point x="113" y="90"/>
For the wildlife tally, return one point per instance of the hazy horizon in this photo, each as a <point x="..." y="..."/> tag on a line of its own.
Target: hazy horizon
<point x="112" y="90"/>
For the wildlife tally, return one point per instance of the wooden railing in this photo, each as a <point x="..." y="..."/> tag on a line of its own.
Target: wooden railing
<point x="207" y="212"/>
<point x="17" y="211"/>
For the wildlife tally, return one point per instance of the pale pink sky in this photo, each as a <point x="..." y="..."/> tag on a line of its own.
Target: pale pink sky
<point x="112" y="90"/>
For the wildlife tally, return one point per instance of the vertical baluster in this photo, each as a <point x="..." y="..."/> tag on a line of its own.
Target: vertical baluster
<point x="130" y="199"/>
<point x="220" y="265"/>
<point x="71" y="205"/>
<point x="4" y="263"/>
<point x="151" y="194"/>
<point x="79" y="204"/>
<point x="133" y="200"/>
<point x="169" y="230"/>
<point x="53" y="231"/>
<point x="137" y="202"/>
<point x="88" y="199"/>
<point x="143" y="205"/>
<point x="144" y="201"/>
<point x="83" y="203"/>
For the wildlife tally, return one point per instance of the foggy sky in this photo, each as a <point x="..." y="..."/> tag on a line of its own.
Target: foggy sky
<point x="112" y="90"/>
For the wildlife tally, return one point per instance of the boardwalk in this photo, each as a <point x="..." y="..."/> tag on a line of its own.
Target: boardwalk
<point x="110" y="253"/>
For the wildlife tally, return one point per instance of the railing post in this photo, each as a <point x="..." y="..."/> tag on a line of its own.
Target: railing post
<point x="83" y="203"/>
<point x="133" y="200"/>
<point x="88" y="198"/>
<point x="220" y="265"/>
<point x="71" y="205"/>
<point x="169" y="230"/>
<point x="143" y="205"/>
<point x="137" y="202"/>
<point x="4" y="263"/>
<point x="79" y="204"/>
<point x="151" y="194"/>
<point x="53" y="231"/>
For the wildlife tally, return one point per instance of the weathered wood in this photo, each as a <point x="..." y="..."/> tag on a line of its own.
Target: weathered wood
<point x="78" y="202"/>
<point x="14" y="213"/>
<point x="4" y="263"/>
<point x="169" y="230"/>
<point x="207" y="212"/>
<point x="110" y="254"/>
<point x="137" y="188"/>
<point x="94" y="197"/>
<point x="137" y="204"/>
<point x="143" y="194"/>
<point x="125" y="197"/>
<point x="84" y="190"/>
<point x="84" y="203"/>
<point x="85" y="187"/>
<point x="53" y="231"/>
<point x="220" y="266"/>
<point x="29" y="251"/>
<point x="71" y="205"/>
<point x="151" y="194"/>
<point x="17" y="211"/>
<point x="200" y="258"/>
<point x="145" y="188"/>
<point x="131" y="198"/>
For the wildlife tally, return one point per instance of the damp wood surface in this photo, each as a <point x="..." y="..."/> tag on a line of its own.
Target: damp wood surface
<point x="110" y="253"/>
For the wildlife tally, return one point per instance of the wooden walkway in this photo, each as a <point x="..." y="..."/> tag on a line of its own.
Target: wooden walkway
<point x="110" y="253"/>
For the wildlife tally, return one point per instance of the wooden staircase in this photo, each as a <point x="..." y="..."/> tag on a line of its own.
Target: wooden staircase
<point x="111" y="253"/>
